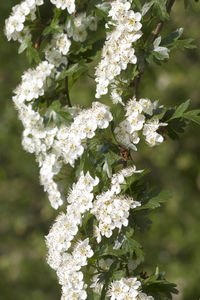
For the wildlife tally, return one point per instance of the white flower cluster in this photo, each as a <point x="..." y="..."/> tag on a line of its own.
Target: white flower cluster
<point x="81" y="22"/>
<point x="111" y="209"/>
<point x="69" y="142"/>
<point x="118" y="51"/>
<point x="54" y="146"/>
<point x="62" y="233"/>
<point x="14" y="25"/>
<point x="69" y="271"/>
<point x="66" y="225"/>
<point x="117" y="87"/>
<point x="57" y="49"/>
<point x="127" y="289"/>
<point x="136" y="112"/>
<point x="119" y="178"/>
<point x="149" y="131"/>
<point x="33" y="84"/>
<point x="63" y="4"/>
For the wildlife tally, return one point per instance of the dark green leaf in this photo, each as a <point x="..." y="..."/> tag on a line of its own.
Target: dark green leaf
<point x="155" y="201"/>
<point x="193" y="115"/>
<point x="180" y="110"/>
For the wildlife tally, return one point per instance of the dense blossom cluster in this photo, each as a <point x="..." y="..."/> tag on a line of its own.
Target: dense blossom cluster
<point x="139" y="116"/>
<point x="56" y="50"/>
<point x="111" y="209"/>
<point x="81" y="23"/>
<point x="14" y="28"/>
<point x="118" y="51"/>
<point x="62" y="233"/>
<point x="66" y="225"/>
<point x="127" y="289"/>
<point x="54" y="145"/>
<point x="33" y="85"/>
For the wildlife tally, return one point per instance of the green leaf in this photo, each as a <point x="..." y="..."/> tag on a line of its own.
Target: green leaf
<point x="57" y="114"/>
<point x="108" y="278"/>
<point x="134" y="247"/>
<point x="170" y="40"/>
<point x="146" y="7"/>
<point x="24" y="45"/>
<point x="155" y="201"/>
<point x="161" y="9"/>
<point x="86" y="164"/>
<point x="180" y="110"/>
<point x="113" y="252"/>
<point x="186" y="43"/>
<point x="138" y="4"/>
<point x="193" y="115"/>
<point x="117" y="275"/>
<point x="32" y="55"/>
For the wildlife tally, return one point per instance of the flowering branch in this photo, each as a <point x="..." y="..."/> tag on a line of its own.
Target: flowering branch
<point x="91" y="244"/>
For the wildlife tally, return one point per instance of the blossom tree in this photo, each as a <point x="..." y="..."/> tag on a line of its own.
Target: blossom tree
<point x="86" y="155"/>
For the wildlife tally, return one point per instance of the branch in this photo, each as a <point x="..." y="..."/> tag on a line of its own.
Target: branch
<point x="160" y="24"/>
<point x="137" y="79"/>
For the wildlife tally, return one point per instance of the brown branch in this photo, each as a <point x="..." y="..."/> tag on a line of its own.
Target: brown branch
<point x="160" y="24"/>
<point x="157" y="30"/>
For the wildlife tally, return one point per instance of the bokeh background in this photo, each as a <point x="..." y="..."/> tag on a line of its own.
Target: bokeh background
<point x="173" y="243"/>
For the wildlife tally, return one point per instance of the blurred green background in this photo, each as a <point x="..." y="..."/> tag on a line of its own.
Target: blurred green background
<point x="173" y="243"/>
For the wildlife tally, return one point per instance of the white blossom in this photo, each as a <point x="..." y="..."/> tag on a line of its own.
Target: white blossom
<point x="14" y="25"/>
<point x="111" y="211"/>
<point x="137" y="118"/>
<point x="65" y="4"/>
<point x="124" y="289"/>
<point x="118" y="51"/>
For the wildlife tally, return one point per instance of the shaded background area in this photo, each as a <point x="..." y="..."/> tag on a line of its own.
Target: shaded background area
<point x="173" y="243"/>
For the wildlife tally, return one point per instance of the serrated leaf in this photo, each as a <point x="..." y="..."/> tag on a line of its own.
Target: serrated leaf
<point x="155" y="202"/>
<point x="186" y="43"/>
<point x="113" y="252"/>
<point x="134" y="247"/>
<point x="171" y="39"/>
<point x="193" y="115"/>
<point x="180" y="110"/>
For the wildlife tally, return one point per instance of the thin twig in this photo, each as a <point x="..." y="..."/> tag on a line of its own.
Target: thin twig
<point x="160" y="24"/>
